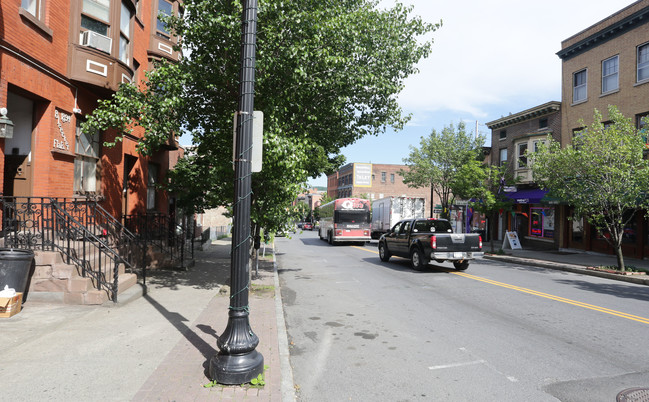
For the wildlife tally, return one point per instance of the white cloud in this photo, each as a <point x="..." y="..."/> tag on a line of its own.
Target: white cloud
<point x="487" y="53"/>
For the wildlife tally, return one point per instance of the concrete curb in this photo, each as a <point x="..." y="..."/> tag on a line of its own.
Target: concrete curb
<point x="578" y="269"/>
<point x="288" y="389"/>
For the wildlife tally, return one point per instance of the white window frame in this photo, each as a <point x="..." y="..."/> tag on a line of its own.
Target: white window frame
<point x="611" y="74"/>
<point x="577" y="89"/>
<point x="502" y="154"/>
<point x="161" y="30"/>
<point x="87" y="149"/>
<point x="152" y="181"/>
<point x="125" y="28"/>
<point x="642" y="63"/>
<point x="519" y="156"/>
<point x="34" y="7"/>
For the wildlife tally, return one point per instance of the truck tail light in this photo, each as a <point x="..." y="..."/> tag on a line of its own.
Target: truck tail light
<point x="480" y="241"/>
<point x="433" y="242"/>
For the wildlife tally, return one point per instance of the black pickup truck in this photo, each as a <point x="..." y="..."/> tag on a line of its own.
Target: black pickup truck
<point x="423" y="240"/>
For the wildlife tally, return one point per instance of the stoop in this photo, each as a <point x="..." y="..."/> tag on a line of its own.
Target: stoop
<point x="55" y="281"/>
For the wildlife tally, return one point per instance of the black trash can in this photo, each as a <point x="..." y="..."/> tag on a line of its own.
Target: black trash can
<point x="15" y="266"/>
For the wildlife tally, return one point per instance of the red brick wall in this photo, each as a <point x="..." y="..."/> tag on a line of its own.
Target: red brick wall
<point x="34" y="63"/>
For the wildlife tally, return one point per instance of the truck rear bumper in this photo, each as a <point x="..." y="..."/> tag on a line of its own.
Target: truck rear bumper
<point x="456" y="256"/>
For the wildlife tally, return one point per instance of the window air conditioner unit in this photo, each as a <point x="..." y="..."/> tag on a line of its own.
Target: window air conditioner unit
<point x="96" y="41"/>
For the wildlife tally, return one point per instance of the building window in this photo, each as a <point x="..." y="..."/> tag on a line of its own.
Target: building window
<point x="543" y="123"/>
<point x="125" y="34"/>
<point x="503" y="157"/>
<point x="151" y="186"/>
<point x="643" y="62"/>
<point x="522" y="155"/>
<point x="34" y="7"/>
<point x="503" y="134"/>
<point x="542" y="222"/>
<point x="85" y="163"/>
<point x="165" y="8"/>
<point x="610" y="74"/>
<point x="95" y="16"/>
<point x="392" y="178"/>
<point x="643" y="127"/>
<point x="383" y="177"/>
<point x="579" y="86"/>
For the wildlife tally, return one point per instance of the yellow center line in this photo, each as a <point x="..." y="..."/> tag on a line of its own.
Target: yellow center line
<point x="557" y="298"/>
<point x="616" y="313"/>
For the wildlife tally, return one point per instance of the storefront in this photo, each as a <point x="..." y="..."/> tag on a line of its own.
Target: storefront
<point x="533" y="219"/>
<point x="583" y="236"/>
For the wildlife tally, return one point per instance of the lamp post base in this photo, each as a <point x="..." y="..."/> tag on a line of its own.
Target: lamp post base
<point x="236" y="369"/>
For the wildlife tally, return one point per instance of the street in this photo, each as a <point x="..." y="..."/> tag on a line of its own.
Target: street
<point x="364" y="330"/>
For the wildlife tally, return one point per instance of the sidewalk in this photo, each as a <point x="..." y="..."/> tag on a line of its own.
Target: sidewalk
<point x="576" y="261"/>
<point x="153" y="347"/>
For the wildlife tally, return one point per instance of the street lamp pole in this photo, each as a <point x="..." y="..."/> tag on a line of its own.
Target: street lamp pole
<point x="237" y="361"/>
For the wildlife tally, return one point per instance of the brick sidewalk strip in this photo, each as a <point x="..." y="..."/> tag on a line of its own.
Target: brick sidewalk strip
<point x="183" y="373"/>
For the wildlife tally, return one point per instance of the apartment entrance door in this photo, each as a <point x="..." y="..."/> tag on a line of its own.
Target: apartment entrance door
<point x="18" y="150"/>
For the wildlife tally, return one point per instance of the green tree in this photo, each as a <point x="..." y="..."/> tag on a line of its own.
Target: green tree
<point x="602" y="175"/>
<point x="483" y="184"/>
<point x="327" y="74"/>
<point x="438" y="160"/>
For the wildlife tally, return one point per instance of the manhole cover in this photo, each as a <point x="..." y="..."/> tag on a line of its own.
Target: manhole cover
<point x="633" y="395"/>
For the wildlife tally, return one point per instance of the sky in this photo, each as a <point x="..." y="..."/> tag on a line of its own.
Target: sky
<point x="489" y="59"/>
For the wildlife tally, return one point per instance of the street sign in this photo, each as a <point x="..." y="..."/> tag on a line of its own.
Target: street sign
<point x="257" y="139"/>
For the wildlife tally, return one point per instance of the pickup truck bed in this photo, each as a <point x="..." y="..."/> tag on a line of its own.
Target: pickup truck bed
<point x="423" y="240"/>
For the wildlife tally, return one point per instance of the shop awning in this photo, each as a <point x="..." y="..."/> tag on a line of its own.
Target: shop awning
<point x="531" y="196"/>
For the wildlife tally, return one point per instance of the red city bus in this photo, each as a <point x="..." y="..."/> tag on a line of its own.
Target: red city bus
<point x="345" y="220"/>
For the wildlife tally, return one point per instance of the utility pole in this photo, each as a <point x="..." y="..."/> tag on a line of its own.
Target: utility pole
<point x="237" y="361"/>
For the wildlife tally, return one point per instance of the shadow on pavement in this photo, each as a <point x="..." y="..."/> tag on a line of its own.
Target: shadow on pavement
<point x="614" y="289"/>
<point x="178" y="321"/>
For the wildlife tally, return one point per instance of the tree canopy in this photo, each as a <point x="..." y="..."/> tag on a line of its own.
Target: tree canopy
<point x="438" y="160"/>
<point x="327" y="74"/>
<point x="602" y="175"/>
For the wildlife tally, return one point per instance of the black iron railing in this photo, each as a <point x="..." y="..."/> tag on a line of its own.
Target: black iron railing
<point x="88" y="251"/>
<point x="163" y="234"/>
<point x="91" y="238"/>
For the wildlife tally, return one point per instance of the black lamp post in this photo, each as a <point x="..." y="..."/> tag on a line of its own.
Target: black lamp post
<point x="238" y="362"/>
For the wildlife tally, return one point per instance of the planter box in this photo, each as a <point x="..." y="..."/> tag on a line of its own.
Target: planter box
<point x="613" y="271"/>
<point x="10" y="306"/>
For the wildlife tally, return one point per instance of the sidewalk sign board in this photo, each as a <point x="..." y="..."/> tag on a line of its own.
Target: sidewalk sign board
<point x="511" y="241"/>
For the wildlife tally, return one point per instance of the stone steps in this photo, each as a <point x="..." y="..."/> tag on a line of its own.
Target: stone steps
<point x="56" y="281"/>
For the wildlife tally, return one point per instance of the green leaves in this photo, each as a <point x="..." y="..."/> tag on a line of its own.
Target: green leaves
<point x="442" y="161"/>
<point x="327" y="74"/>
<point x="602" y="174"/>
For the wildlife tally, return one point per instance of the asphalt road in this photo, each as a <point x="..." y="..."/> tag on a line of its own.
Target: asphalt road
<point x="363" y="330"/>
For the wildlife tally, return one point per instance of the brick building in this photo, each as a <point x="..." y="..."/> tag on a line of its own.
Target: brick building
<point x="373" y="181"/>
<point x="606" y="64"/>
<point x="511" y="138"/>
<point x="57" y="59"/>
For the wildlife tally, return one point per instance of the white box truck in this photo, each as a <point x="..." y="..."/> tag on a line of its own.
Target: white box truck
<point x="390" y="210"/>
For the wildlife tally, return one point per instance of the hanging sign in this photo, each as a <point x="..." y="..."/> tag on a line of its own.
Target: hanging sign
<point x="61" y="118"/>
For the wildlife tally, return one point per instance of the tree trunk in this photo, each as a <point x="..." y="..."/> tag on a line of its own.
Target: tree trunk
<point x="619" y="255"/>
<point x="493" y="228"/>
<point x="432" y="201"/>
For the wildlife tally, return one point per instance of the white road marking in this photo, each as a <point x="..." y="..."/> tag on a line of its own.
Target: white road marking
<point x="445" y="366"/>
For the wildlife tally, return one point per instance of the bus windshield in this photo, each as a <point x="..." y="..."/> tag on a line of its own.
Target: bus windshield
<point x="352" y="216"/>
